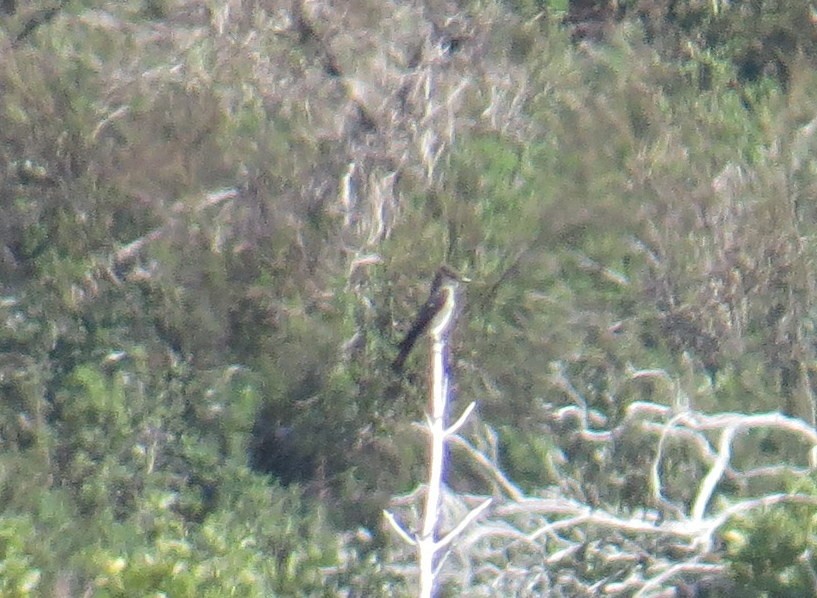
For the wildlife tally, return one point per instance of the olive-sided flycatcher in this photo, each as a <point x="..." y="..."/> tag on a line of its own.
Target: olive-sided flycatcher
<point x="435" y="314"/>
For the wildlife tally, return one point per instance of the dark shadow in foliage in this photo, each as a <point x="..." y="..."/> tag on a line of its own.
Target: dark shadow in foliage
<point x="40" y="18"/>
<point x="591" y="19"/>
<point x="284" y="445"/>
<point x="275" y="451"/>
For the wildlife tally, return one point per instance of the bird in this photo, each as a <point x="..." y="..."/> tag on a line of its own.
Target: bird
<point x="435" y="314"/>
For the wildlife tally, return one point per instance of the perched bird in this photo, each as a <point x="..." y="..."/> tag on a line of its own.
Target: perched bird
<point x="435" y="314"/>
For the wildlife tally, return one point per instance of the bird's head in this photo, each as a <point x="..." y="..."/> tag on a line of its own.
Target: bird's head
<point x="448" y="277"/>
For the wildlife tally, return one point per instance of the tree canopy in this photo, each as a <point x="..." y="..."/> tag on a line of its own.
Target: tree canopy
<point x="218" y="218"/>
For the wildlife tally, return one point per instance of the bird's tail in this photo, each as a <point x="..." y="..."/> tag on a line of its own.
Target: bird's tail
<point x="403" y="353"/>
<point x="399" y="361"/>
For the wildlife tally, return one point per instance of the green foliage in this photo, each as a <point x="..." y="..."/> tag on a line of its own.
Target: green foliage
<point x="210" y="235"/>
<point x="526" y="458"/>
<point x="769" y="552"/>
<point x="19" y="576"/>
<point x="529" y="9"/>
<point x="95" y="401"/>
<point x="258" y="542"/>
<point x="254" y="546"/>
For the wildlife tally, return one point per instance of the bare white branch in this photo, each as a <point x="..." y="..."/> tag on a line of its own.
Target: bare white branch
<point x="453" y="428"/>
<point x="545" y="543"/>
<point x="399" y="528"/>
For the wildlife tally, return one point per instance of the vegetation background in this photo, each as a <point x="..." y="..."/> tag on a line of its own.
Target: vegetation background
<point x="216" y="219"/>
